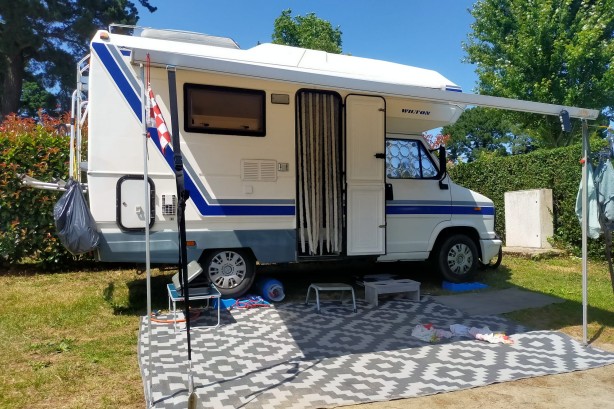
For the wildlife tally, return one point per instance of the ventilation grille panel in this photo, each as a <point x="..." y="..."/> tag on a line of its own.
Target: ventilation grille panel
<point x="258" y="170"/>
<point x="169" y="205"/>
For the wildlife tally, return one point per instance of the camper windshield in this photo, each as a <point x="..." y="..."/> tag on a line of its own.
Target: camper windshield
<point x="408" y="159"/>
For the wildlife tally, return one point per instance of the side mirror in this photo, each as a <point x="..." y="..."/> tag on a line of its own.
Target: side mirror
<point x="442" y="168"/>
<point x="442" y="162"/>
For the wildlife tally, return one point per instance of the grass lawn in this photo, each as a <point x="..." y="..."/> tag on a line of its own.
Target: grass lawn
<point x="69" y="339"/>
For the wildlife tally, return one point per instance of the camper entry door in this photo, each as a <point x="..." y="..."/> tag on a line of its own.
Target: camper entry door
<point x="366" y="163"/>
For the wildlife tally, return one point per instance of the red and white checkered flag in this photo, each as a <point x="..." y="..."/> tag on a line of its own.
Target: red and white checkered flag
<point x="163" y="133"/>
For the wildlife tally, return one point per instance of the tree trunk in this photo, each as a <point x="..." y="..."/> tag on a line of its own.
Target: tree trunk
<point x="11" y="86"/>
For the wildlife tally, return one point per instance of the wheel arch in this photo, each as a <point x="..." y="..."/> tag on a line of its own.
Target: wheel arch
<point x="446" y="232"/>
<point x="207" y="252"/>
<point x="266" y="246"/>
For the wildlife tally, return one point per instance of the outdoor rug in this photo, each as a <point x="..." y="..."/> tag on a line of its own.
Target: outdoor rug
<point x="291" y="357"/>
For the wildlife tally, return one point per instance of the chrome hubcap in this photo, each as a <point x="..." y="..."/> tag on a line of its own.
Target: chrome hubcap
<point x="227" y="269"/>
<point x="460" y="259"/>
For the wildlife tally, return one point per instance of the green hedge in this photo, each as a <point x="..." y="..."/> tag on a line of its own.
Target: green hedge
<point x="557" y="169"/>
<point x="27" y="229"/>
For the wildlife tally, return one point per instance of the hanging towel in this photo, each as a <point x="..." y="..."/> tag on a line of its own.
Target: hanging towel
<point x="594" y="228"/>
<point x="604" y="182"/>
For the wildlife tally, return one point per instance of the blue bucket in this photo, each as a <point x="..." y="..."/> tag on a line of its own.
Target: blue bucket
<point x="270" y="289"/>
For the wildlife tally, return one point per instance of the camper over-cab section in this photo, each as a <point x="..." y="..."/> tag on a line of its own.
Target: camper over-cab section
<point x="289" y="155"/>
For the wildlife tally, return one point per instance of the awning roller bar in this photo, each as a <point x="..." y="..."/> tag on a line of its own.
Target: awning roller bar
<point x="335" y="80"/>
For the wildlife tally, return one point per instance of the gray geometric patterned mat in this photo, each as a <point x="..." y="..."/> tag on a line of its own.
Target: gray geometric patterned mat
<point x="289" y="356"/>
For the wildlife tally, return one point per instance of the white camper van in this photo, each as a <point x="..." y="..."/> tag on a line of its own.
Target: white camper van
<point x="290" y="155"/>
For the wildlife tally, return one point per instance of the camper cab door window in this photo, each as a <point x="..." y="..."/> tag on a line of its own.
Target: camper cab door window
<point x="224" y="110"/>
<point x="408" y="159"/>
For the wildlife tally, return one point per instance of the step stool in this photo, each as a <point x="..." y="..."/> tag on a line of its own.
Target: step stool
<point x="374" y="288"/>
<point x="203" y="293"/>
<point x="317" y="287"/>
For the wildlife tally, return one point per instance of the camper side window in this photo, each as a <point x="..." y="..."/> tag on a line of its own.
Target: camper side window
<point x="224" y="110"/>
<point x="408" y="159"/>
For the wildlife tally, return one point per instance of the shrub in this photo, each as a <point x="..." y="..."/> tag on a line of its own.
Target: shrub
<point x="557" y="169"/>
<point x="26" y="215"/>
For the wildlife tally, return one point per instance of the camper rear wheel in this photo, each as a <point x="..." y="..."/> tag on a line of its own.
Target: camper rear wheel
<point x="457" y="259"/>
<point x="232" y="271"/>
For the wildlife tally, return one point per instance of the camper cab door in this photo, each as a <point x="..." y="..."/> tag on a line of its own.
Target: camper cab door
<point x="419" y="204"/>
<point x="365" y="152"/>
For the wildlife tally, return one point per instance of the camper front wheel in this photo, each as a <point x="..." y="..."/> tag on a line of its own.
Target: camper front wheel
<point x="458" y="259"/>
<point x="232" y="271"/>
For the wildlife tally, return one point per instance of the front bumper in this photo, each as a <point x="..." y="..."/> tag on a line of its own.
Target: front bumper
<point x="490" y="248"/>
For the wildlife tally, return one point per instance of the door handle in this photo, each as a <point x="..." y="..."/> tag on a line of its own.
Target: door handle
<point x="380" y="155"/>
<point x="388" y="192"/>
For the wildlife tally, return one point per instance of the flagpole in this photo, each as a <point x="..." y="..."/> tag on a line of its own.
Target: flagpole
<point x="147" y="239"/>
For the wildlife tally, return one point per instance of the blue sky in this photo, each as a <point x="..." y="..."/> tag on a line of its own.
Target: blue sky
<point x="426" y="34"/>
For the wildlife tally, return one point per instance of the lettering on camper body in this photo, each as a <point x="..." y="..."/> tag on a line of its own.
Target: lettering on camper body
<point x="415" y="111"/>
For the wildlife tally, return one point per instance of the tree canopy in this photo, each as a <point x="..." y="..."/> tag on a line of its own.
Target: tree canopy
<point x="41" y="41"/>
<point x="553" y="51"/>
<point x="481" y="131"/>
<point x="306" y="32"/>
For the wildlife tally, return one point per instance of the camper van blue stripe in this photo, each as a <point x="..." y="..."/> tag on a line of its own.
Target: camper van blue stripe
<point x="232" y="210"/>
<point x="119" y="77"/>
<point x="213" y="201"/>
<point x="392" y="208"/>
<point x="487" y="211"/>
<point x="418" y="209"/>
<point x="207" y="209"/>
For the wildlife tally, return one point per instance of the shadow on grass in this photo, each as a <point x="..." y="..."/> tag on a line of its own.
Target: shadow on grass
<point x="567" y="314"/>
<point x="33" y="268"/>
<point x="555" y="316"/>
<point x="136" y="303"/>
<point x="597" y="334"/>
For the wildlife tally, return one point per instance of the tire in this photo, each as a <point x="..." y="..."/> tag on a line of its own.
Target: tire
<point x="497" y="261"/>
<point x="232" y="271"/>
<point x="457" y="259"/>
<point x="494" y="262"/>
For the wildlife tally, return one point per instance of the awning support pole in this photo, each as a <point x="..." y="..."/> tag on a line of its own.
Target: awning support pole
<point x="182" y="196"/>
<point x="147" y="249"/>
<point x="585" y="149"/>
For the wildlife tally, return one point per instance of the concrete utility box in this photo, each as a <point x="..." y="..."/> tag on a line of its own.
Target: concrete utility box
<point x="528" y="218"/>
